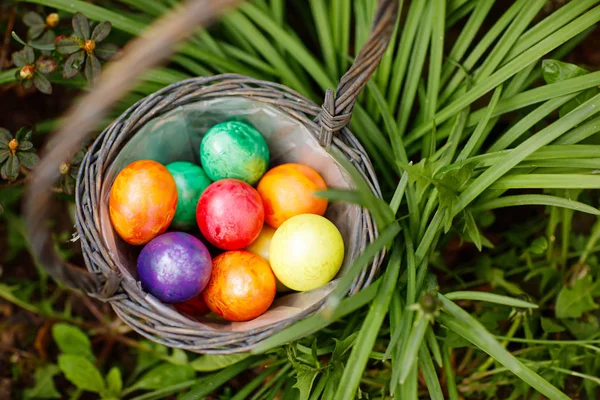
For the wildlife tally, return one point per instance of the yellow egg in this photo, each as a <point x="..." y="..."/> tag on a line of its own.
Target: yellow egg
<point x="261" y="246"/>
<point x="306" y="252"/>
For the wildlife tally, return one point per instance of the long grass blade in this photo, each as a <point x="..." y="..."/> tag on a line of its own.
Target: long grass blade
<point x="547" y="181"/>
<point x="407" y="39"/>
<point x="429" y="373"/>
<point x="534" y="200"/>
<point x="510" y="69"/>
<point x="369" y="331"/>
<point x="467" y="34"/>
<point x="542" y="138"/>
<point x="459" y="321"/>
<point x="490" y="298"/>
<point x="417" y="60"/>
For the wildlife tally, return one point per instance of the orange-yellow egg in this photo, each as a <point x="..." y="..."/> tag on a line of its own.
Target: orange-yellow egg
<point x="142" y="201"/>
<point x="241" y="287"/>
<point x="288" y="190"/>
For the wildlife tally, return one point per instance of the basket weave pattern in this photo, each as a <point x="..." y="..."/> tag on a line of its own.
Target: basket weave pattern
<point x="129" y="302"/>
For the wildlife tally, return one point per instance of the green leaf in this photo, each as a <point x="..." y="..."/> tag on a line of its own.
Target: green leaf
<point x="164" y="375"/>
<point x="32" y="18"/>
<point x="43" y="47"/>
<point x="305" y="377"/>
<point x="343" y="346"/>
<point x="455" y="341"/>
<point x="25" y="145"/>
<point x="81" y="26"/>
<point x="92" y="69"/>
<point x="471" y="230"/>
<point x="24" y="133"/>
<point x="67" y="46"/>
<point x="539" y="245"/>
<point x="28" y="55"/>
<point x="81" y="372"/>
<point x="583" y="329"/>
<point x="5" y="137"/>
<point x="4" y="154"/>
<point x="550" y="326"/>
<point x="555" y="71"/>
<point x="42" y="83"/>
<point x="106" y="51"/>
<point x="214" y="362"/>
<point x="73" y="64"/>
<point x="18" y="59"/>
<point x="28" y="159"/>
<point x="27" y="84"/>
<point x="114" y="381"/>
<point x="72" y="340"/>
<point x="35" y="31"/>
<point x="10" y="168"/>
<point x="44" y="384"/>
<point x="573" y="302"/>
<point x="101" y="31"/>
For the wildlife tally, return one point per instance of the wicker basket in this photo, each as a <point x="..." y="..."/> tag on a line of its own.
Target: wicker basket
<point x="109" y="260"/>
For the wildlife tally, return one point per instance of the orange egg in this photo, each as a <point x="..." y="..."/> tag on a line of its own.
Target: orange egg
<point x="142" y="201"/>
<point x="241" y="287"/>
<point x="287" y="190"/>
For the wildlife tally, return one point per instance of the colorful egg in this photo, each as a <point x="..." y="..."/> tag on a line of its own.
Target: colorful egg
<point x="242" y="286"/>
<point x="306" y="252"/>
<point x="142" y="201"/>
<point x="230" y="214"/>
<point x="174" y="267"/>
<point x="261" y="247"/>
<point x="191" y="181"/>
<point x="194" y="307"/>
<point x="234" y="149"/>
<point x="288" y="190"/>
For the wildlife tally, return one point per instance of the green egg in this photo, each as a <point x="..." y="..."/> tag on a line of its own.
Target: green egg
<point x="236" y="150"/>
<point x="191" y="180"/>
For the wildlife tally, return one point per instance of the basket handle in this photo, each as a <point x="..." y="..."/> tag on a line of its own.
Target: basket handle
<point x="154" y="46"/>
<point x="336" y="112"/>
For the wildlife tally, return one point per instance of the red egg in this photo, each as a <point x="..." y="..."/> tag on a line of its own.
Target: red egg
<point x="230" y="214"/>
<point x="241" y="287"/>
<point x="194" y="307"/>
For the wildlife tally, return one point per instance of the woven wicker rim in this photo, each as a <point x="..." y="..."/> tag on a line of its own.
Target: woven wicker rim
<point x="130" y="302"/>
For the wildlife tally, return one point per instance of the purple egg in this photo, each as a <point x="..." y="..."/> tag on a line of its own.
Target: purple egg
<point x="174" y="267"/>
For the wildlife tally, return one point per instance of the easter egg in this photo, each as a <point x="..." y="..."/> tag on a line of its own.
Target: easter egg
<point x="234" y="149"/>
<point x="194" y="307"/>
<point x="242" y="286"/>
<point x="191" y="180"/>
<point x="261" y="247"/>
<point x="306" y="252"/>
<point x="142" y="201"/>
<point x="287" y="190"/>
<point x="174" y="267"/>
<point x="230" y="214"/>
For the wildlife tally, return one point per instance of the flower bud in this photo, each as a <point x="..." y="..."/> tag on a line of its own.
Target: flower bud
<point x="13" y="145"/>
<point x="52" y="20"/>
<point x="64" y="167"/>
<point x="27" y="71"/>
<point x="89" y="46"/>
